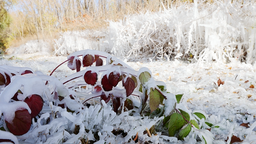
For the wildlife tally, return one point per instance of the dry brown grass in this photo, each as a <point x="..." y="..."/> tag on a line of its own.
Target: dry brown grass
<point x="44" y="19"/>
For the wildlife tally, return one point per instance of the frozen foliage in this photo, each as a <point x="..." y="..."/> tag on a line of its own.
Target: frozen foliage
<point x="220" y="31"/>
<point x="32" y="47"/>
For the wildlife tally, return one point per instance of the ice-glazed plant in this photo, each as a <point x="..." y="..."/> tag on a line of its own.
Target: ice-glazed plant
<point x="31" y="101"/>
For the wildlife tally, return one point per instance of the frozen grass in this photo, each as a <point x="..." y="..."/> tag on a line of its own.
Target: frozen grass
<point x="219" y="31"/>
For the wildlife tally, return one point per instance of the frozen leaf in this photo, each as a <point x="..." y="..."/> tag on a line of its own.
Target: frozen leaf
<point x="88" y="60"/>
<point x="2" y="79"/>
<point x="234" y="139"/>
<point x="96" y="57"/>
<point x="26" y="72"/>
<point x="144" y="77"/>
<point x="200" y="115"/>
<point x="128" y="104"/>
<point x="184" y="132"/>
<point x="185" y="115"/>
<point x="246" y="81"/>
<point x="166" y="120"/>
<point x="194" y="123"/>
<point x="105" y="84"/>
<point x="98" y="88"/>
<point x="129" y="86"/>
<point x="155" y="99"/>
<point x="245" y="125"/>
<point x="8" y="79"/>
<point x="140" y="89"/>
<point x="35" y="103"/>
<point x="70" y="63"/>
<point x="220" y="82"/>
<point x="116" y="104"/>
<point x="251" y="86"/>
<point x="99" y="62"/>
<point x="113" y="78"/>
<point x="21" y="122"/>
<point x="209" y="124"/>
<point x="105" y="98"/>
<point x="161" y="87"/>
<point x="78" y="65"/>
<point x="135" y="80"/>
<point x="90" y="78"/>
<point x="178" y="97"/>
<point x="175" y="123"/>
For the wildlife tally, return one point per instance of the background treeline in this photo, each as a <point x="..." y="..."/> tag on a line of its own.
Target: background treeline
<point x="43" y="19"/>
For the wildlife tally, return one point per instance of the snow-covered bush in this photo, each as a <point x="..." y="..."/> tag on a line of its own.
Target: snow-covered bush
<point x="104" y="101"/>
<point x="218" y="31"/>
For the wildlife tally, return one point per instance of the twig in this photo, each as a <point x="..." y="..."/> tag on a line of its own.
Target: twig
<point x="136" y="137"/>
<point x="148" y="132"/>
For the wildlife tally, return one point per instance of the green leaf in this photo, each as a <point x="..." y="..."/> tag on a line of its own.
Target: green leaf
<point x="178" y="97"/>
<point x="184" y="132"/>
<point x="199" y="115"/>
<point x="140" y="89"/>
<point x="176" y="122"/>
<point x="161" y="87"/>
<point x="204" y="140"/>
<point x="185" y="115"/>
<point x="209" y="124"/>
<point x="156" y="98"/>
<point x="135" y="80"/>
<point x="144" y="77"/>
<point x="165" y="120"/>
<point x="194" y="123"/>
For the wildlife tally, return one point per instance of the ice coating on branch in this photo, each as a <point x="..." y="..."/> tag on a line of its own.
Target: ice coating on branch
<point x="169" y="103"/>
<point x="9" y="136"/>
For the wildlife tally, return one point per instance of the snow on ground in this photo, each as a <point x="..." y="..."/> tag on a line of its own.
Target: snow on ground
<point x="228" y="105"/>
<point x="222" y="32"/>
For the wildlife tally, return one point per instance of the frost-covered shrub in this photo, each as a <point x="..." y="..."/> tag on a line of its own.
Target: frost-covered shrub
<point x="219" y="31"/>
<point x="105" y="100"/>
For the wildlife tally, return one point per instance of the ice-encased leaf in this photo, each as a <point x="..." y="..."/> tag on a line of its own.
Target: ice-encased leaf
<point x="194" y="123"/>
<point x="105" y="98"/>
<point x="21" y="122"/>
<point x="35" y="103"/>
<point x="99" y="62"/>
<point x="27" y="72"/>
<point x="175" y="123"/>
<point x="178" y="97"/>
<point x="78" y="65"/>
<point x="184" y="131"/>
<point x="129" y="86"/>
<point x="105" y="83"/>
<point x="74" y="63"/>
<point x="2" y="79"/>
<point x="113" y="78"/>
<point x="161" y="87"/>
<point x="144" y="77"/>
<point x="116" y="104"/>
<point x="88" y="60"/>
<point x="71" y="64"/>
<point x="8" y="79"/>
<point x="185" y="115"/>
<point x="200" y="115"/>
<point x="90" y="77"/>
<point x="8" y="137"/>
<point x="135" y="80"/>
<point x="155" y="99"/>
